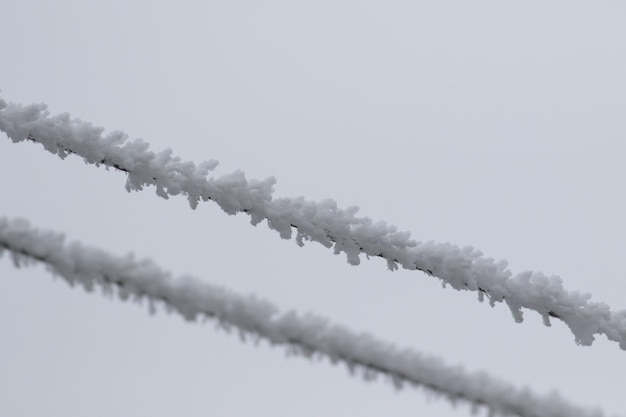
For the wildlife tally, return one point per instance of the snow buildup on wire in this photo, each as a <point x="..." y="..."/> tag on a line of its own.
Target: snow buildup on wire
<point x="462" y="268"/>
<point x="306" y="335"/>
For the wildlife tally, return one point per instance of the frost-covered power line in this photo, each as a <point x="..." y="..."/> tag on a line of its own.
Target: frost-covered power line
<point x="462" y="268"/>
<point x="306" y="335"/>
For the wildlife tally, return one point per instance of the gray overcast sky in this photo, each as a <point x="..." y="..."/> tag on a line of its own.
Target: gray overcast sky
<point x="496" y="124"/>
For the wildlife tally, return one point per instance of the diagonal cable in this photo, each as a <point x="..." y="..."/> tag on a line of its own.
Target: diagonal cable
<point x="323" y="222"/>
<point x="304" y="335"/>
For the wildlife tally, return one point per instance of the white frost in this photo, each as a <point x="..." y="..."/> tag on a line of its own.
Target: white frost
<point x="341" y="229"/>
<point x="305" y="335"/>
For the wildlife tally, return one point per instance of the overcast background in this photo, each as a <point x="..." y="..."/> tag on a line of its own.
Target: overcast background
<point x="498" y="124"/>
